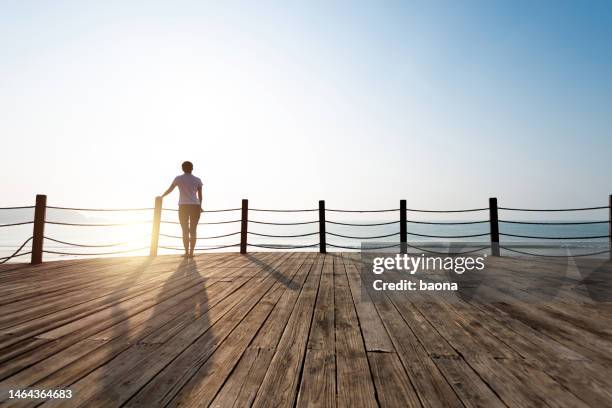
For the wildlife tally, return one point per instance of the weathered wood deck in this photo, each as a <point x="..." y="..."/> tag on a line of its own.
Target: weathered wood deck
<point x="285" y="329"/>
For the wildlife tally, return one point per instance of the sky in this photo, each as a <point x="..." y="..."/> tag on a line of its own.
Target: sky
<point x="443" y="103"/>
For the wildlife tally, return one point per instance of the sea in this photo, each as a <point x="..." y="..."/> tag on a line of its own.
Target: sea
<point x="130" y="232"/>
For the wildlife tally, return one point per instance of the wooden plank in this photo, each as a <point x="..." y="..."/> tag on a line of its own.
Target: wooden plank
<point x="355" y="386"/>
<point x="518" y="385"/>
<point x="318" y="385"/>
<point x="202" y="387"/>
<point x="127" y="332"/>
<point x="240" y="388"/>
<point x="223" y="335"/>
<point x="374" y="333"/>
<point x="430" y="384"/>
<point x="393" y="387"/>
<point x="186" y="383"/>
<point x="131" y="370"/>
<point x="280" y="384"/>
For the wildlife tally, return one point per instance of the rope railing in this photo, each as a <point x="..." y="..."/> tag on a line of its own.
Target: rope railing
<point x="201" y="223"/>
<point x="205" y="211"/>
<point x="16" y="223"/>
<point x="554" y="222"/>
<point x="447" y="222"/>
<point x="448" y="253"/>
<point x="282" y="236"/>
<point x="555" y="256"/>
<point x="95" y="253"/>
<point x="201" y="249"/>
<point x="548" y="237"/>
<point x="100" y="209"/>
<point x="76" y="224"/>
<point x="447" y="211"/>
<point x="86" y="245"/>
<point x="370" y="237"/>
<point x="362" y="225"/>
<point x="283" y="223"/>
<point x="283" y="211"/>
<point x="405" y="230"/>
<point x="449" y="236"/>
<point x="16" y="253"/>
<point x="554" y="210"/>
<point x="283" y="246"/>
<point x="359" y="247"/>
<point x="210" y="237"/>
<point x="362" y="211"/>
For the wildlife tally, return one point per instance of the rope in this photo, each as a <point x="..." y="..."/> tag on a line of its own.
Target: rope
<point x="201" y="223"/>
<point x="555" y="256"/>
<point x="412" y="246"/>
<point x="539" y="237"/>
<point x="206" y="211"/>
<point x="448" y="236"/>
<point x="261" y="210"/>
<point x="282" y="236"/>
<point x="562" y="209"/>
<point x="97" y="225"/>
<point x="447" y="211"/>
<point x="17" y="223"/>
<point x="448" y="253"/>
<point x="283" y="223"/>
<point x="363" y="211"/>
<point x="351" y="247"/>
<point x="447" y="223"/>
<point x="86" y="245"/>
<point x="99" y="209"/>
<point x="283" y="246"/>
<point x="410" y="221"/>
<point x="217" y="236"/>
<point x="200" y="249"/>
<point x="216" y="222"/>
<point x="555" y="223"/>
<point x="361" y="225"/>
<point x="16" y="253"/>
<point x="3" y="260"/>
<point x="16" y="208"/>
<point x="374" y="237"/>
<point x="94" y="254"/>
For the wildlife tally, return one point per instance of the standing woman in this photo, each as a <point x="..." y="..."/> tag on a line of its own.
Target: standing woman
<point x="190" y="205"/>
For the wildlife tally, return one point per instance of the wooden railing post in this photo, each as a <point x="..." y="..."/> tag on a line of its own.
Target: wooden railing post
<point x="403" y="228"/>
<point x="610" y="224"/>
<point x="494" y="223"/>
<point x="39" y="229"/>
<point x="155" y="229"/>
<point x="322" y="243"/>
<point x="244" y="223"/>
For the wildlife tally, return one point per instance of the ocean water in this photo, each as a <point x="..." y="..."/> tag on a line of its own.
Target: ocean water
<point x="135" y="236"/>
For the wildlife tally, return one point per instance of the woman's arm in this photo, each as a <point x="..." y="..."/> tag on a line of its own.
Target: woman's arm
<point x="200" y="198"/>
<point x="169" y="190"/>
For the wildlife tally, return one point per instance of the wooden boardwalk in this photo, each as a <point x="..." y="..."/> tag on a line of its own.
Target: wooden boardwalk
<point x="295" y="329"/>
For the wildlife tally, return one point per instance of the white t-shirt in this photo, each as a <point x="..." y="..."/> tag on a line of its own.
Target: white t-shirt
<point x="188" y="185"/>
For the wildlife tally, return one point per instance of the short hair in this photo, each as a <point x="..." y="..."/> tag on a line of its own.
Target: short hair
<point x="187" y="166"/>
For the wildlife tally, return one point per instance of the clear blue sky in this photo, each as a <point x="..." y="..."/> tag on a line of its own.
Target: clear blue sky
<point x="284" y="103"/>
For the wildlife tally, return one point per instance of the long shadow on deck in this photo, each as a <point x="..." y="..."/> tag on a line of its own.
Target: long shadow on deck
<point x="181" y="303"/>
<point x="276" y="274"/>
<point x="181" y="300"/>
